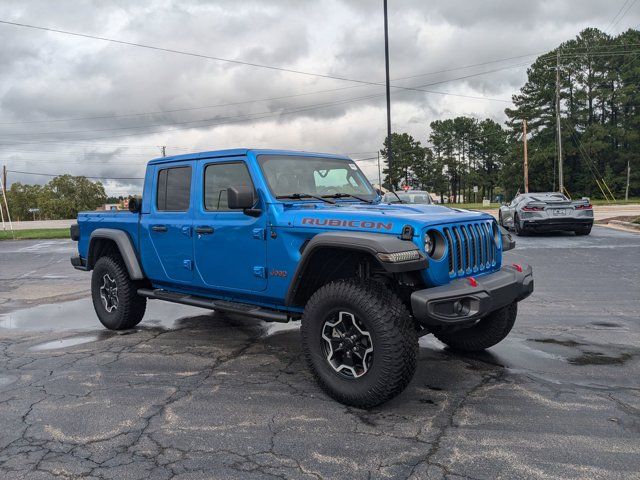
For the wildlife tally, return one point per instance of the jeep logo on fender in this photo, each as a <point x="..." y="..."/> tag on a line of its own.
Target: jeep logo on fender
<point x="334" y="222"/>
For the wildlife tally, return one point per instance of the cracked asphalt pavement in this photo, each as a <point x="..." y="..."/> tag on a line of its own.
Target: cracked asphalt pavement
<point x="192" y="394"/>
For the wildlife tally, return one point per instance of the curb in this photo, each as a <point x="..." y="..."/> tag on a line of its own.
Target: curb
<point x="633" y="226"/>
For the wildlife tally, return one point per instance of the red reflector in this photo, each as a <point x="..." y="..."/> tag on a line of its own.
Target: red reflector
<point x="473" y="282"/>
<point x="517" y="267"/>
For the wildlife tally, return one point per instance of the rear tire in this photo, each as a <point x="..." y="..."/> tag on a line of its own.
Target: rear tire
<point x="488" y="332"/>
<point x="115" y="296"/>
<point x="583" y="230"/>
<point x="376" y="363"/>
<point x="520" y="231"/>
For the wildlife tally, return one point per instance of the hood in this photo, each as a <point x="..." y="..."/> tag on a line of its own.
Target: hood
<point x="382" y="218"/>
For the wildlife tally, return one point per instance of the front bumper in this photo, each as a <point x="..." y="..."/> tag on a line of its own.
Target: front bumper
<point x="460" y="302"/>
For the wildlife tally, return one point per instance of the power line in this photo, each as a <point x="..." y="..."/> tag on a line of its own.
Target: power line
<point x="268" y="112"/>
<point x="198" y="55"/>
<point x="85" y="176"/>
<point x="624" y="14"/>
<point x="237" y="119"/>
<point x="610" y="24"/>
<point x="204" y="107"/>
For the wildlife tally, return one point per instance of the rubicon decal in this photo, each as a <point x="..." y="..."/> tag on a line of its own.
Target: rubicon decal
<point x="334" y="222"/>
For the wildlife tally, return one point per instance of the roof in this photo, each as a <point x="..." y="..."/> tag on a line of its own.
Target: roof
<point x="234" y="152"/>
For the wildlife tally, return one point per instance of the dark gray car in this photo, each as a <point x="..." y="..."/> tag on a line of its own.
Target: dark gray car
<point x="548" y="211"/>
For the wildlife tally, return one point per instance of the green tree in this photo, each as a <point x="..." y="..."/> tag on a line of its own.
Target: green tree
<point x="407" y="153"/>
<point x="62" y="197"/>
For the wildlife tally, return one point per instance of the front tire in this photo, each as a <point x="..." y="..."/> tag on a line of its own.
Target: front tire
<point x="359" y="342"/>
<point x="488" y="332"/>
<point x="115" y="296"/>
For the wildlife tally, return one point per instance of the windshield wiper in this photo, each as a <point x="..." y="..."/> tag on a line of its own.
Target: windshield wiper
<point x="345" y="195"/>
<point x="399" y="199"/>
<point x="298" y="196"/>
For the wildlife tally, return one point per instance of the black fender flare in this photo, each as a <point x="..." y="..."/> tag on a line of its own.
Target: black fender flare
<point x="367" y="242"/>
<point x="125" y="246"/>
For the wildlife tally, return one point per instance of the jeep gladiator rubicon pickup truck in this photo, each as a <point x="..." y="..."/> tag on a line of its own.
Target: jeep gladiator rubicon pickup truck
<point x="281" y="236"/>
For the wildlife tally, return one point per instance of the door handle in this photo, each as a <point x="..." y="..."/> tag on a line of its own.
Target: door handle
<point x="159" y="228"/>
<point x="203" y="230"/>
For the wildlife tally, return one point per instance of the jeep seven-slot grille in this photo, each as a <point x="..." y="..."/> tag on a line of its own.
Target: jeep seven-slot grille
<point x="471" y="248"/>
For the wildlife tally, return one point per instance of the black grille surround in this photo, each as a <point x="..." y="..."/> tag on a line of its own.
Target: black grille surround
<point x="471" y="248"/>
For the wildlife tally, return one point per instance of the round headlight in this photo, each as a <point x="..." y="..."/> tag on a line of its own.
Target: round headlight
<point x="434" y="244"/>
<point x="429" y="243"/>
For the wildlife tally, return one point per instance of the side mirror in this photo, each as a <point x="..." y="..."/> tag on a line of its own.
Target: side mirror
<point x="135" y="205"/>
<point x="242" y="198"/>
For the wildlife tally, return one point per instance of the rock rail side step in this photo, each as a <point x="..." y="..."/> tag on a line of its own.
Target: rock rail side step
<point x="219" y="305"/>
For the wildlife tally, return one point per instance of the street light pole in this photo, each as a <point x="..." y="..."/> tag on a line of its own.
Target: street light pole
<point x="558" y="119"/>
<point x="386" y="61"/>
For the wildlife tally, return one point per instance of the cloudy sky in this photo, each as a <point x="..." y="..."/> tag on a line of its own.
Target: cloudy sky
<point x="88" y="107"/>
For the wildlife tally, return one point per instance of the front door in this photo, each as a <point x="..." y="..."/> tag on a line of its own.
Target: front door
<point x="167" y="228"/>
<point x="230" y="247"/>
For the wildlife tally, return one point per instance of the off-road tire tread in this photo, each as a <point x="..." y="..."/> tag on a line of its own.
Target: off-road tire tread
<point x="394" y="324"/>
<point x="131" y="306"/>
<point x="488" y="332"/>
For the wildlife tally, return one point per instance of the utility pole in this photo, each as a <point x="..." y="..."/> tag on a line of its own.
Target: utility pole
<point x="164" y="150"/>
<point x="4" y="175"/>
<point x="379" y="174"/>
<point x="526" y="158"/>
<point x="626" y="192"/>
<point x="386" y="62"/>
<point x="3" y="190"/>
<point x="560" y="177"/>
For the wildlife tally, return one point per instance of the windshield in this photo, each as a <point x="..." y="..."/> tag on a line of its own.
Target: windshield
<point x="288" y="175"/>
<point x="413" y="197"/>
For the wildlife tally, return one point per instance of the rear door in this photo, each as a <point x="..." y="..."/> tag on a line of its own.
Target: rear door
<point x="230" y="247"/>
<point x="167" y="229"/>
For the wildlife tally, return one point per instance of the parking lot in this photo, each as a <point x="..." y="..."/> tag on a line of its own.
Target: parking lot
<point x="193" y="394"/>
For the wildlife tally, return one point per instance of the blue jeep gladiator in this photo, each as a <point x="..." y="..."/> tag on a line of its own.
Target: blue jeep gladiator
<point x="280" y="236"/>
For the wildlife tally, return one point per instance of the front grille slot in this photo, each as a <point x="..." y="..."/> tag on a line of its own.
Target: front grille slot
<point x="471" y="248"/>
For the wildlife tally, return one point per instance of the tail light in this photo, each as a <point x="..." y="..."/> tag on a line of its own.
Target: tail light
<point x="527" y="208"/>
<point x="584" y="207"/>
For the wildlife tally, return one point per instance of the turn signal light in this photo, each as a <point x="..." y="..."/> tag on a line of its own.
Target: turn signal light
<point x="584" y="207"/>
<point x="517" y="267"/>
<point x="473" y="282"/>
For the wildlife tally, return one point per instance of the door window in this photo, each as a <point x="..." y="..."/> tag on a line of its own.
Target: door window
<point x="174" y="189"/>
<point x="220" y="176"/>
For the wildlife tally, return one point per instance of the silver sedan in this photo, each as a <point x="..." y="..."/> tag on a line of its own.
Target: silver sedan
<point x="549" y="211"/>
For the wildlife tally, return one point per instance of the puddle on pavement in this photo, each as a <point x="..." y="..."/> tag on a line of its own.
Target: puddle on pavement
<point x="555" y="341"/>
<point x="597" y="358"/>
<point x="606" y="324"/>
<point x="79" y="315"/>
<point x="64" y="343"/>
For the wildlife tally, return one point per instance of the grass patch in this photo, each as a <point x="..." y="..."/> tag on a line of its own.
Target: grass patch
<point x="637" y="221"/>
<point x="39" y="233"/>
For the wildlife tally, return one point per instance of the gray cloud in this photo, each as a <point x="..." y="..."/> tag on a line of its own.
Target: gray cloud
<point x="47" y="76"/>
